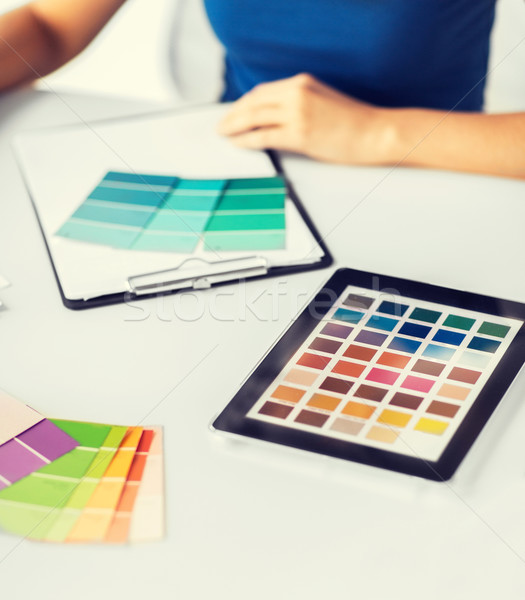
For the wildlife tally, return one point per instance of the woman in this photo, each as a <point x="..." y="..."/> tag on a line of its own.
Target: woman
<point x="346" y="81"/>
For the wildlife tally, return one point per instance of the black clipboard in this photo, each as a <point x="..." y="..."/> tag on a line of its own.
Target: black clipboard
<point x="197" y="273"/>
<point x="278" y="401"/>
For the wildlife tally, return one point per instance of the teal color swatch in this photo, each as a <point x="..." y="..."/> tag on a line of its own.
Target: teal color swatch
<point x="249" y="216"/>
<point x="170" y="214"/>
<point x="178" y="224"/>
<point x="117" y="210"/>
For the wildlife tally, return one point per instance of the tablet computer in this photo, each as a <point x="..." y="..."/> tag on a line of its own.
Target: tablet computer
<point x="384" y="371"/>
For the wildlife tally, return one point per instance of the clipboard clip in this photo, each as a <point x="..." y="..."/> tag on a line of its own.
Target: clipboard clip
<point x="198" y="274"/>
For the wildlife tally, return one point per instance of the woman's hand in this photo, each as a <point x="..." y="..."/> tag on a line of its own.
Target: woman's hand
<point x="303" y="115"/>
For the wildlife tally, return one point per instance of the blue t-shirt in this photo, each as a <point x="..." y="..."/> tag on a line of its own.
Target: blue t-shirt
<point x="426" y="53"/>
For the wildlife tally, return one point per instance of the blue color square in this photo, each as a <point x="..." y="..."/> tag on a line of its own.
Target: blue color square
<point x="348" y="316"/>
<point x="415" y="330"/>
<point x="383" y="323"/>
<point x="449" y="337"/>
<point x="404" y="345"/>
<point x="484" y="344"/>
<point x="439" y="352"/>
<point x="392" y="308"/>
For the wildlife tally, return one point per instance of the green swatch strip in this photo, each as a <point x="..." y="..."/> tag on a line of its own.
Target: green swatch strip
<point x="249" y="216"/>
<point x="46" y="504"/>
<point x="169" y="214"/>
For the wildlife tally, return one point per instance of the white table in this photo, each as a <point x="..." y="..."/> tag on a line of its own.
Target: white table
<point x="246" y="521"/>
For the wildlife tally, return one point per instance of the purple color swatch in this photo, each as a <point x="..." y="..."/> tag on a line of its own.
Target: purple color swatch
<point x="48" y="440"/>
<point x="370" y="337"/>
<point x="16" y="461"/>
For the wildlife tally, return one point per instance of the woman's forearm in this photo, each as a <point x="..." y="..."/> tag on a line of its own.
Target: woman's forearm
<point x="473" y="142"/>
<point x="39" y="37"/>
<point x="301" y="114"/>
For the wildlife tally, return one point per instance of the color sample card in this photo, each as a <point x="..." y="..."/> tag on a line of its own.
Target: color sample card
<point x="146" y="517"/>
<point x="96" y="516"/>
<point x="46" y="504"/>
<point x="118" y="209"/>
<point x="171" y="214"/>
<point x="248" y="216"/>
<point x="180" y="220"/>
<point x="76" y="497"/>
<point x="386" y="371"/>
<point x="28" y="441"/>
<point x="118" y="532"/>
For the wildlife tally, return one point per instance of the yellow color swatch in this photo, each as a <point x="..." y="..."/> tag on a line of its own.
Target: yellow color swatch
<point x="106" y="495"/>
<point x="431" y="426"/>
<point x="394" y="417"/>
<point x="91" y="526"/>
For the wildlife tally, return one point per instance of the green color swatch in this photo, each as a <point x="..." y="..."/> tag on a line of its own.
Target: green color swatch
<point x="249" y="216"/>
<point x="457" y="322"/>
<point x="494" y="329"/>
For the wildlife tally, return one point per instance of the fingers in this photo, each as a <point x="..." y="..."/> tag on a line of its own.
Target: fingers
<point x="265" y="138"/>
<point x="267" y="105"/>
<point x="242" y="119"/>
<point x="282" y="115"/>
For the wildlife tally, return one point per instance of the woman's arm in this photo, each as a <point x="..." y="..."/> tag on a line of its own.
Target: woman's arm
<point x="303" y="115"/>
<point x="41" y="36"/>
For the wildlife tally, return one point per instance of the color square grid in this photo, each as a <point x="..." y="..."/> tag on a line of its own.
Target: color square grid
<point x="172" y="214"/>
<point x="78" y="497"/>
<point x="401" y="375"/>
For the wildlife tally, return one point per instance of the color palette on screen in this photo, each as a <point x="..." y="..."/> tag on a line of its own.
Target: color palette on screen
<point x="388" y="372"/>
<point x="172" y="214"/>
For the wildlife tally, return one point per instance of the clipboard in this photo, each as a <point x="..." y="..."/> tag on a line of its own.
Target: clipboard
<point x="60" y="167"/>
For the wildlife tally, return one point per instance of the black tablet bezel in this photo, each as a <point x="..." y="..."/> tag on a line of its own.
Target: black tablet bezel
<point x="233" y="418"/>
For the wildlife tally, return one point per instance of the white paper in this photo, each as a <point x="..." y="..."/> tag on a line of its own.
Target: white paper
<point x="62" y="166"/>
<point x="15" y="417"/>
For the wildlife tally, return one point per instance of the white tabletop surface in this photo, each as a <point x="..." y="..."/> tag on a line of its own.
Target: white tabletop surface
<point x="248" y="521"/>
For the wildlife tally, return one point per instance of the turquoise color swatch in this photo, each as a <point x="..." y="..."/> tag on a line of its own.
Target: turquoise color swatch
<point x="118" y="209"/>
<point x="249" y="216"/>
<point x="179" y="222"/>
<point x="170" y="214"/>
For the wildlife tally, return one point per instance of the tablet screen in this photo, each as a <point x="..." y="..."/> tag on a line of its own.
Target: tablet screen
<point x="389" y="375"/>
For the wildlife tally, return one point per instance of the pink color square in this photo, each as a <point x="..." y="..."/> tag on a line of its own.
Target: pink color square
<point x="418" y="384"/>
<point x="382" y="376"/>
